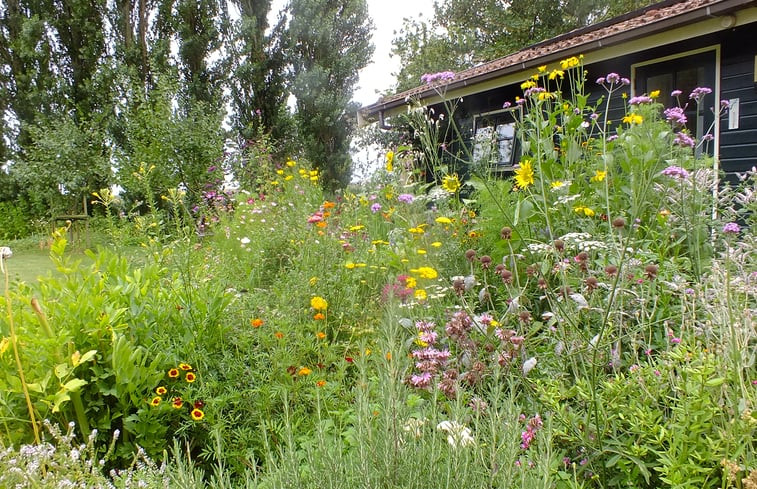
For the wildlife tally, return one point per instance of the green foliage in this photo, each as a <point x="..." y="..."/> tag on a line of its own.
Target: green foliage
<point x="326" y="57"/>
<point x="464" y="33"/>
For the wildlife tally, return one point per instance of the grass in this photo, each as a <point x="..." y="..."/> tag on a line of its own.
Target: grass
<point x="31" y="258"/>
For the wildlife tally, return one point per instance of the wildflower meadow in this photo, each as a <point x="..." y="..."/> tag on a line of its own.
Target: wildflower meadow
<point x="584" y="322"/>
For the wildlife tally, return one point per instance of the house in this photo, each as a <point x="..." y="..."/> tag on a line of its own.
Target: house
<point x="675" y="44"/>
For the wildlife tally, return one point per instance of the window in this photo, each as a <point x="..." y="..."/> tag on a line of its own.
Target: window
<point x="682" y="72"/>
<point x="494" y="142"/>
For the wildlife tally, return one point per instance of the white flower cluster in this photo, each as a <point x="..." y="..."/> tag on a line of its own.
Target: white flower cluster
<point x="458" y="435"/>
<point x="539" y="248"/>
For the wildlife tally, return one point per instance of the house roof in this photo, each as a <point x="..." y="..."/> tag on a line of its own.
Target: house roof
<point x="652" y="19"/>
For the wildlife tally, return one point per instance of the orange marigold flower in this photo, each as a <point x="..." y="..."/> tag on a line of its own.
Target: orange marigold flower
<point x="156" y="401"/>
<point x="304" y="371"/>
<point x="173" y="373"/>
<point x="319" y="317"/>
<point x="320" y="335"/>
<point x="320" y="383"/>
<point x="197" y="414"/>
<point x="161" y="390"/>
<point x="185" y="366"/>
<point x="191" y="377"/>
<point x="257" y="322"/>
<point x="177" y="403"/>
<point x="328" y="205"/>
<point x="278" y="334"/>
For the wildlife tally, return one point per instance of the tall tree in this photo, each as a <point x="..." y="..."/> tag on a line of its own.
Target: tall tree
<point x="327" y="55"/>
<point x="258" y="88"/>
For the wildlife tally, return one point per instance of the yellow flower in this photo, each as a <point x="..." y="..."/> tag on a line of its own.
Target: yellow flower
<point x="318" y="303"/>
<point x="571" y="62"/>
<point x="542" y="68"/>
<point x="420" y="295"/>
<point x="557" y="184"/>
<point x="556" y="73"/>
<point x="304" y="371"/>
<point x="291" y="163"/>
<point x="410" y="282"/>
<point x="524" y="175"/>
<point x="197" y="414"/>
<point x="599" y="175"/>
<point x="313" y="281"/>
<point x="389" y="161"/>
<point x="420" y="251"/>
<point x="356" y="228"/>
<point x="416" y="230"/>
<point x="546" y="95"/>
<point x="349" y="265"/>
<point x="527" y="84"/>
<point x="443" y="220"/>
<point x="633" y="119"/>
<point x="425" y="272"/>
<point x="587" y="211"/>
<point x="654" y="94"/>
<point x="451" y="183"/>
<point x="436" y="244"/>
<point x="156" y="401"/>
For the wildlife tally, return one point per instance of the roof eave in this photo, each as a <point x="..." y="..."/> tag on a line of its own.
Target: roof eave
<point x="371" y="112"/>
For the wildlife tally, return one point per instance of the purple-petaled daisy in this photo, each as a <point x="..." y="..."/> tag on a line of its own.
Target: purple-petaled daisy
<point x="731" y="228"/>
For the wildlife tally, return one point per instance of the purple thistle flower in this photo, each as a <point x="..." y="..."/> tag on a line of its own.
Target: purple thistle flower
<point x="675" y="115"/>
<point x="442" y="76"/>
<point x="641" y="99"/>
<point x="699" y="92"/>
<point x="731" y="228"/>
<point x="406" y="198"/>
<point x="675" y="172"/>
<point x="683" y="140"/>
<point x="375" y="207"/>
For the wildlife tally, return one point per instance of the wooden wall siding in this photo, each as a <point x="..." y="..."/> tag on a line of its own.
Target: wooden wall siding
<point x="738" y="147"/>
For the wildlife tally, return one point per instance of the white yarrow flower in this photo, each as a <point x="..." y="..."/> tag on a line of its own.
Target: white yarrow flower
<point x="528" y="365"/>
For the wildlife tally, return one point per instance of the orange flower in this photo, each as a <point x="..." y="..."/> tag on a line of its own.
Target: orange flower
<point x="278" y="334"/>
<point x="191" y="377"/>
<point x="328" y="205"/>
<point x="319" y="316"/>
<point x="304" y="371"/>
<point x="185" y="366"/>
<point x="173" y="373"/>
<point x="197" y="414"/>
<point x="161" y="390"/>
<point x="257" y="322"/>
<point x="177" y="403"/>
<point x="320" y="335"/>
<point x="320" y="383"/>
<point x="156" y="401"/>
<point x="321" y="224"/>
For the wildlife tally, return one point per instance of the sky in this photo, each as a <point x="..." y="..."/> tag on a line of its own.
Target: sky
<point x="387" y="17"/>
